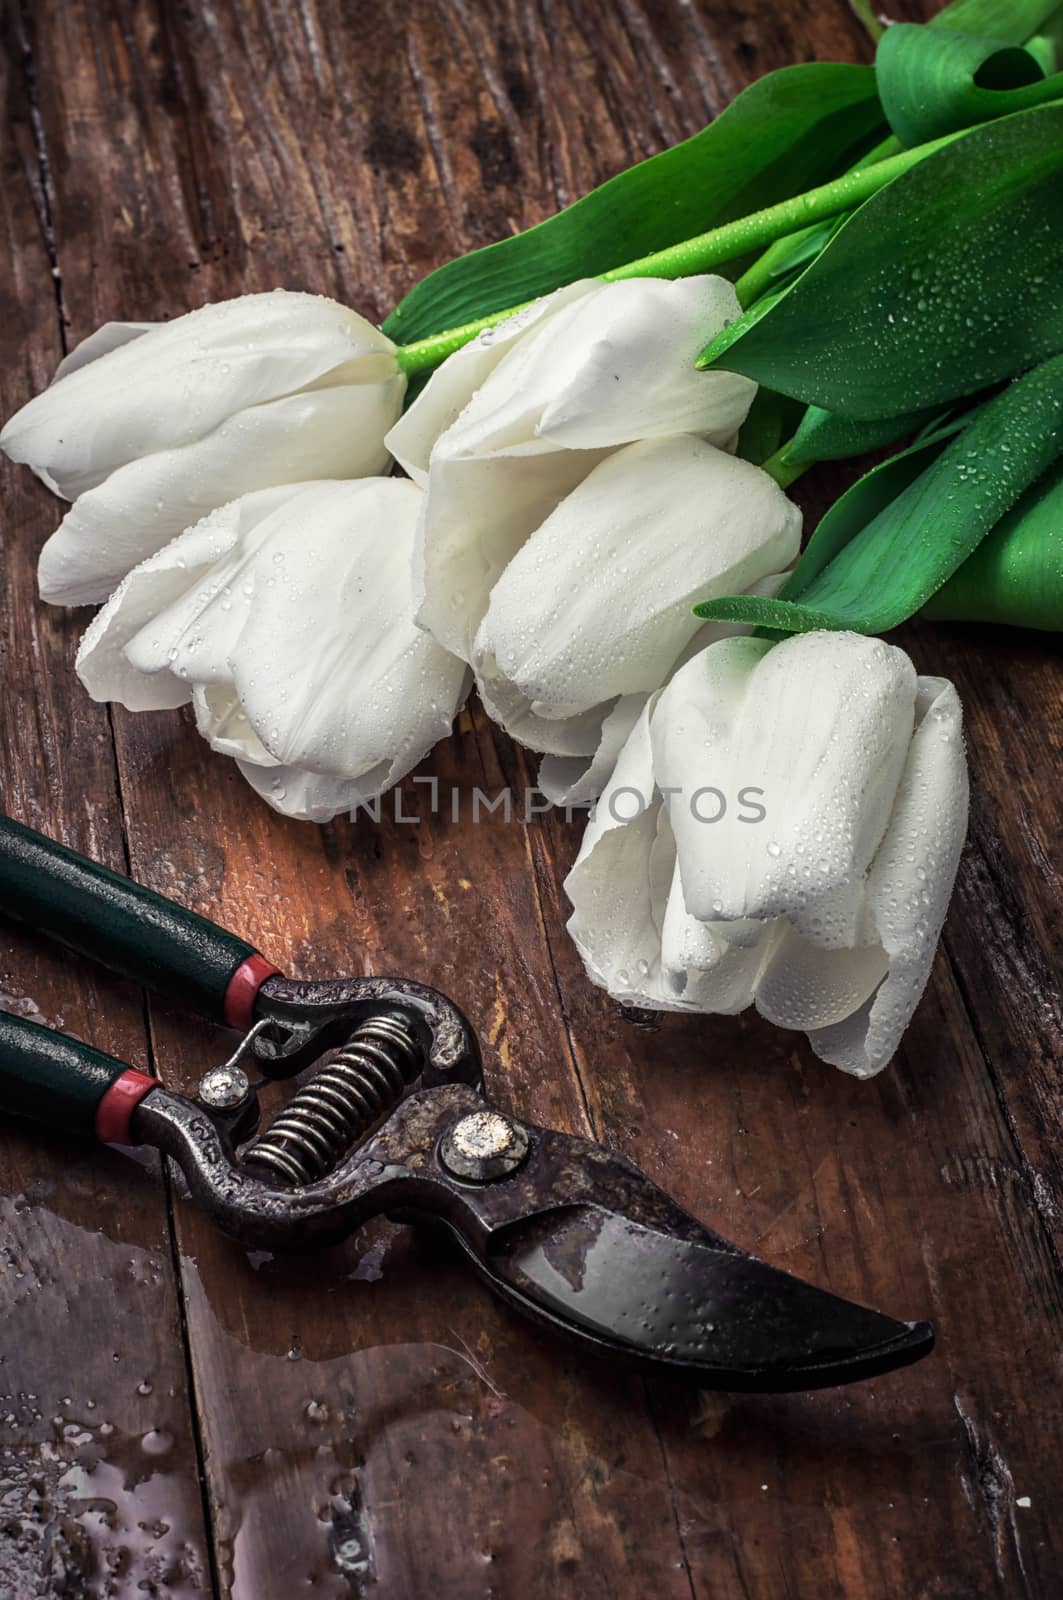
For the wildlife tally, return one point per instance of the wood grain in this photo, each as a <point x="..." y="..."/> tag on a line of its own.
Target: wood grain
<point x="367" y="1420"/>
<point x="100" y="1486"/>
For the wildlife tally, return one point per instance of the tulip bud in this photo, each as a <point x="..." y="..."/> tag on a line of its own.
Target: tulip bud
<point x="147" y="427"/>
<point x="286" y="618"/>
<point x="782" y="829"/>
<point x="513" y="422"/>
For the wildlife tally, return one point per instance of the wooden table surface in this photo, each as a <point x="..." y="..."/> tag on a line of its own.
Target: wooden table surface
<point x="180" y="1418"/>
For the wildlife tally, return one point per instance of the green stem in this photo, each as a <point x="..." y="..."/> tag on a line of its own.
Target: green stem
<point x="866" y="17"/>
<point x="423" y="355"/>
<point x="762" y="228"/>
<point x="770" y="266"/>
<point x="708" y="250"/>
<point x="783" y="471"/>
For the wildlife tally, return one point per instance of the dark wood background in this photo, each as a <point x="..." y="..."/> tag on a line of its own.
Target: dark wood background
<point x="177" y="1417"/>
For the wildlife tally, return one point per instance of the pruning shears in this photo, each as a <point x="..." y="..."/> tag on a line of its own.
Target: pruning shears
<point x="390" y="1116"/>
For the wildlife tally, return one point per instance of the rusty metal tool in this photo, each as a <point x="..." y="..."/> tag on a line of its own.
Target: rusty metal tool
<point x="391" y="1118"/>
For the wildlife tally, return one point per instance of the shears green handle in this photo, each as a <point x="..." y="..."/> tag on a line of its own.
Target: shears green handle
<point x="119" y="923"/>
<point x="53" y="1079"/>
<point x="140" y="934"/>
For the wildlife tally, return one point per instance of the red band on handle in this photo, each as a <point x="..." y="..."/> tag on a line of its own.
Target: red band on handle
<point x="243" y="989"/>
<point x="117" y="1106"/>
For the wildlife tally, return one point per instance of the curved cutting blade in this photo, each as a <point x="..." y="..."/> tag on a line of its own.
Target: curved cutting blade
<point x="699" y="1305"/>
<point x="569" y="1232"/>
<point x="575" y="1236"/>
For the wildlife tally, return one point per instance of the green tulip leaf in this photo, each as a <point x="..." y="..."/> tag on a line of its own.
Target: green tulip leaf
<point x="771" y="420"/>
<point x="889" y="544"/>
<point x="790" y="130"/>
<point x="941" y="284"/>
<point x="933" y="81"/>
<point x="1008" y="21"/>
<point x="1046" y="47"/>
<point x="868" y="497"/>
<point x="798" y="249"/>
<point x="825" y="436"/>
<point x="1016" y="574"/>
<point x="999" y="25"/>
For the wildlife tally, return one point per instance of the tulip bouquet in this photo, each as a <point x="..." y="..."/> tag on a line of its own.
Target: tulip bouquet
<point x="596" y="422"/>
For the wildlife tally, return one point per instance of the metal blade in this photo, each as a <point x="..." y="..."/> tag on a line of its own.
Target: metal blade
<point x="575" y="1236"/>
<point x="569" y="1232"/>
<point x="717" y="1313"/>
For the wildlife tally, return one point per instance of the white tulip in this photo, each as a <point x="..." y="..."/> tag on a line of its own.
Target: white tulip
<point x="512" y="423"/>
<point x="286" y="618"/>
<point x="596" y="605"/>
<point x="804" y="857"/>
<point x="147" y="427"/>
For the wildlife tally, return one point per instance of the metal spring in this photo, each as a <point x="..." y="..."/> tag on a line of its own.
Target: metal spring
<point x="361" y="1082"/>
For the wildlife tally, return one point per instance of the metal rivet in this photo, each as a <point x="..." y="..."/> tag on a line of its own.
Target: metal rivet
<point x="224" y="1088"/>
<point x="484" y="1145"/>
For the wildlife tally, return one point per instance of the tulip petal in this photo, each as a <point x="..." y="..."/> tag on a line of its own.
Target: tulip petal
<point x="144" y="600"/>
<point x="687" y="945"/>
<point x="453" y="385"/>
<point x="109" y="336"/>
<point x="814" y="731"/>
<point x="189" y="637"/>
<point x="625" y="368"/>
<point x="606" y="368"/>
<point x="222" y="721"/>
<point x="313" y="796"/>
<point x="322" y="433"/>
<point x="701" y="969"/>
<point x="577" y="781"/>
<point x="475" y="518"/>
<point x="598" y="602"/>
<point x="629" y="921"/>
<point x="909" y="883"/>
<point x="574" y="781"/>
<point x="805" y="986"/>
<point x="180" y="380"/>
<point x="620" y="881"/>
<point x="577" y="735"/>
<point x="328" y="665"/>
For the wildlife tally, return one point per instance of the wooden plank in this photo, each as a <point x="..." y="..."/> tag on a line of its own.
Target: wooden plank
<point x="1006" y="930"/>
<point x="100" y="1487"/>
<point x="401" y="1430"/>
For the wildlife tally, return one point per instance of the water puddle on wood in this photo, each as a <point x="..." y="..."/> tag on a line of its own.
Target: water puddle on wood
<point x="373" y="1422"/>
<point x="376" y="1424"/>
<point x="98" y="1488"/>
